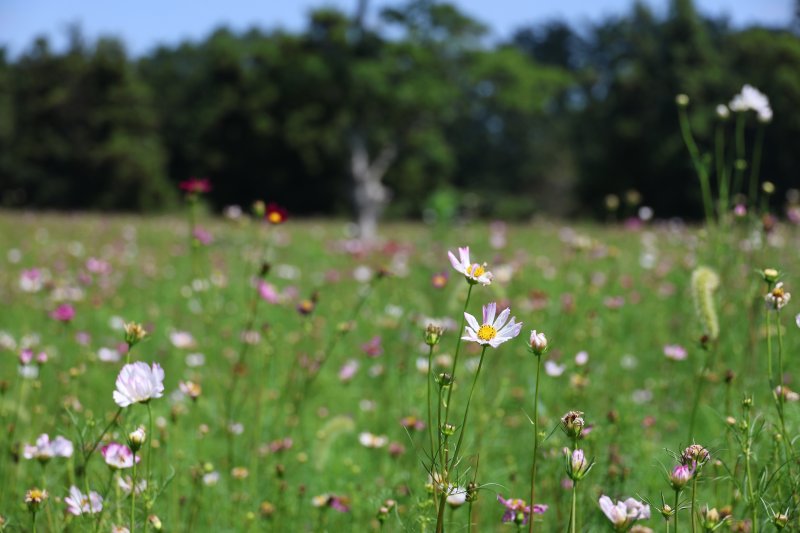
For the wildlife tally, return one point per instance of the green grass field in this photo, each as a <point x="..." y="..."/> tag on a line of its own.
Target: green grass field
<point x="287" y="395"/>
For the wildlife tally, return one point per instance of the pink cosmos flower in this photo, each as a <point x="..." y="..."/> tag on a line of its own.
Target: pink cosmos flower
<point x="373" y="347"/>
<point x="202" y="236"/>
<point x="518" y="511"/>
<point x="118" y="456"/>
<point x="63" y="313"/>
<point x="196" y="185"/>
<point x="79" y="503"/>
<point x="44" y="449"/>
<point x="474" y="272"/>
<point x="676" y="352"/>
<point x="139" y="383"/>
<point x="268" y="292"/>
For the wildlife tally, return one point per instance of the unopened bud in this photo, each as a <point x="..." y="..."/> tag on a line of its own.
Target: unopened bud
<point x="137" y="438"/>
<point x="433" y="334"/>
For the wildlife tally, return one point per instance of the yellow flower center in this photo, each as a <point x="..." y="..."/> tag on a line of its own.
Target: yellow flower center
<point x="486" y="332"/>
<point x="778" y="292"/>
<point x="475" y="270"/>
<point x="275" y="217"/>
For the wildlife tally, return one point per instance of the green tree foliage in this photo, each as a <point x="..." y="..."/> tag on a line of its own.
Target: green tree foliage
<point x="84" y="132"/>
<point x="551" y="121"/>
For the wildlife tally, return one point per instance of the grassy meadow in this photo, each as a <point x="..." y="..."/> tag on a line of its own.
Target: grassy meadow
<point x="310" y="356"/>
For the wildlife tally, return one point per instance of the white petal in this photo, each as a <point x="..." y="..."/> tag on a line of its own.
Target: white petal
<point x="472" y="321"/>
<point x="501" y="320"/>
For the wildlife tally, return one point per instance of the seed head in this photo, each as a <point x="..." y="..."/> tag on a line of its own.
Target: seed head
<point x="572" y="423"/>
<point x="134" y="333"/>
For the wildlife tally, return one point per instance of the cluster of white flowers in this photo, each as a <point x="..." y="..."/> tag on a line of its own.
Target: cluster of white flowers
<point x="751" y="99"/>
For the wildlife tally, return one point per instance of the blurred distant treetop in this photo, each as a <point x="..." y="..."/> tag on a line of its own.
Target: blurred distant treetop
<point x="548" y="122"/>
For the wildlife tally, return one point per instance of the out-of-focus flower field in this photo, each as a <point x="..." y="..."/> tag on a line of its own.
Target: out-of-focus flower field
<point x="296" y="379"/>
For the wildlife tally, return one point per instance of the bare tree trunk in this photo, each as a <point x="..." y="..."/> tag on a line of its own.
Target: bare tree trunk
<point x="370" y="195"/>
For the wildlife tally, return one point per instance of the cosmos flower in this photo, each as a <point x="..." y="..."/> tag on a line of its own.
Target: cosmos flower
<point x="182" y="339"/>
<point x="139" y="383"/>
<point x="63" y="313"/>
<point x="368" y="440"/>
<point x="474" y="272"/>
<point x="518" y="511"/>
<point x="623" y="513"/>
<point x="676" y="352"/>
<point x="44" y="450"/>
<point x="491" y="331"/>
<point x="126" y="484"/>
<point x="276" y="214"/>
<point x="118" y="456"/>
<point x="34" y="498"/>
<point x="777" y="297"/>
<point x="79" y="503"/>
<point x="196" y="185"/>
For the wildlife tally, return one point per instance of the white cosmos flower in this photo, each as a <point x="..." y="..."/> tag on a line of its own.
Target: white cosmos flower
<point x="79" y="503"/>
<point x="491" y="331"/>
<point x="139" y="383"/>
<point x="474" y="272"/>
<point x="623" y="514"/>
<point x="368" y="440"/>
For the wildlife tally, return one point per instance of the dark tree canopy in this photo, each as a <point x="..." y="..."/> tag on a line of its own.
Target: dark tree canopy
<point x="548" y="122"/>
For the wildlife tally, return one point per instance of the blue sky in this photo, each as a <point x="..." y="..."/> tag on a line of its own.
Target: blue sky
<point x="143" y="24"/>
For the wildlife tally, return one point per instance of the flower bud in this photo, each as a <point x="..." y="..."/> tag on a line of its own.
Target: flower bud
<point x="433" y="334"/>
<point x="448" y="430"/>
<point x="770" y="275"/>
<point x="682" y="100"/>
<point x="137" y="438"/>
<point x="155" y="522"/>
<point x="538" y="343"/>
<point x="444" y="379"/>
<point x="577" y="465"/>
<point x="680" y="476"/>
<point x="779" y="520"/>
<point x="709" y="517"/>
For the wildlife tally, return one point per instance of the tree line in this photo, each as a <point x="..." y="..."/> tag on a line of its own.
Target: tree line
<point x="550" y="120"/>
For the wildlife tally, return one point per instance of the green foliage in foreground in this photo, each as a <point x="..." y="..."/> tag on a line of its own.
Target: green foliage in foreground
<point x="619" y="295"/>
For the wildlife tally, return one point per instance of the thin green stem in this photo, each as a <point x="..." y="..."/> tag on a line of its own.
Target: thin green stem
<point x="535" y="439"/>
<point x="88" y="453"/>
<point x="738" y="171"/>
<point x="455" y="357"/>
<point x="749" y="474"/>
<point x="694" y="498"/>
<point x="430" y="419"/>
<point x="787" y="441"/>
<point x="463" y="430"/>
<point x="105" y="501"/>
<point x="698" y="391"/>
<point x="573" y="514"/>
<point x="676" y="508"/>
<point x="133" y="495"/>
<point x="723" y="178"/>
<point x="149" y="442"/>
<point x="699" y="167"/>
<point x="756" y="167"/>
